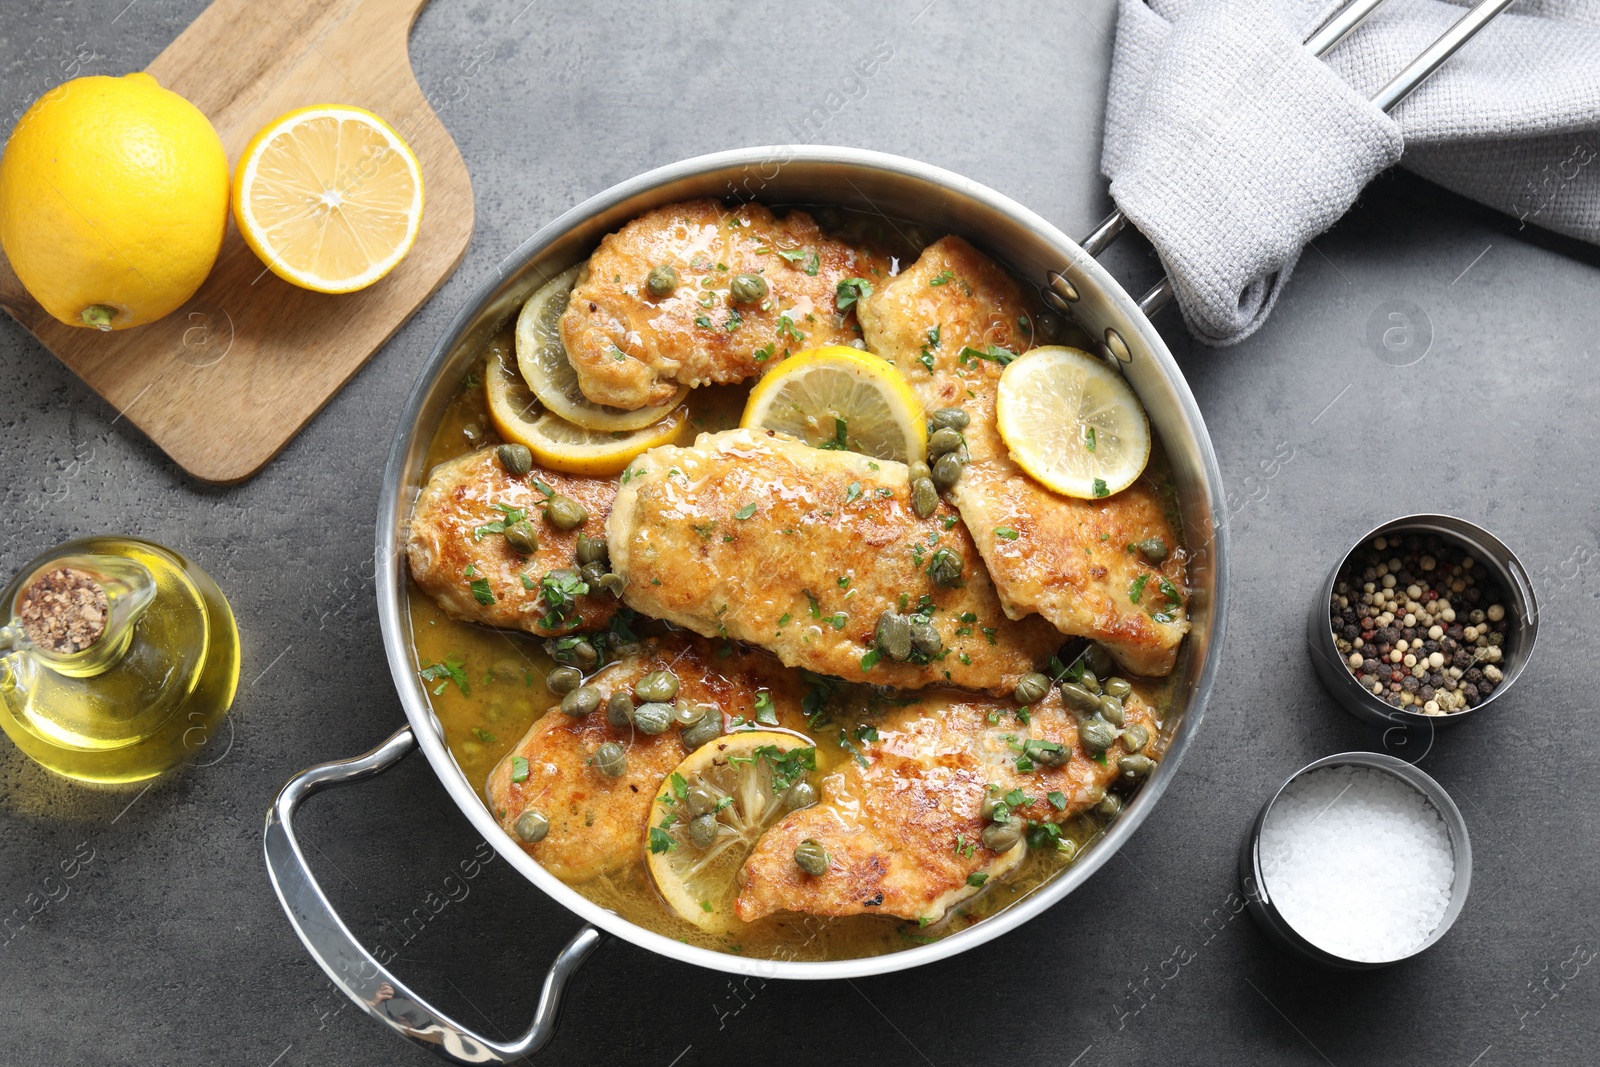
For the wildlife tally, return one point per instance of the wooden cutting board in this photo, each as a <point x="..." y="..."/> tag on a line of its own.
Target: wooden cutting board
<point x="226" y="381"/>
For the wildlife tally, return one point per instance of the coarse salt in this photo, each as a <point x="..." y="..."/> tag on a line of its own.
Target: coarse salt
<point x="1358" y="862"/>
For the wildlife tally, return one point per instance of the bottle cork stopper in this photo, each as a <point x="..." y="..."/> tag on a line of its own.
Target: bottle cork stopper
<point x="63" y="611"/>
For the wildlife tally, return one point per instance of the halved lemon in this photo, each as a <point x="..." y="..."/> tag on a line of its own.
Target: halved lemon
<point x="550" y="374"/>
<point x="841" y="397"/>
<point x="738" y="785"/>
<point x="329" y="197"/>
<point x="1072" y="422"/>
<point x="556" y="443"/>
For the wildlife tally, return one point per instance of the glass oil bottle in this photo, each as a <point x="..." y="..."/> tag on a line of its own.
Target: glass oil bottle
<point x="118" y="657"/>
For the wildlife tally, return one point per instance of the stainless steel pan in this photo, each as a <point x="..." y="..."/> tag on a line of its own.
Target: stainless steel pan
<point x="899" y="189"/>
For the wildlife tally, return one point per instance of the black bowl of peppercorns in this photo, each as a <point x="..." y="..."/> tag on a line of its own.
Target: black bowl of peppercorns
<point x="1426" y="620"/>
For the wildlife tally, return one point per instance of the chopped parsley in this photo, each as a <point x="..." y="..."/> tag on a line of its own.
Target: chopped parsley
<point x="1136" y="588"/>
<point x="702" y="321"/>
<point x="1170" y="591"/>
<point x="762" y="354"/>
<point x="1089" y="439"/>
<point x="852" y="492"/>
<point x="745" y="512"/>
<point x="1006" y="532"/>
<point x="453" y="669"/>
<point x="945" y="278"/>
<point x="841" y="431"/>
<point x="866" y="734"/>
<point x="926" y="359"/>
<point x="786" y="329"/>
<point x="481" y="591"/>
<point x="977" y="878"/>
<point x="766" y="714"/>
<point x="519" y="769"/>
<point x="483" y="735"/>
<point x="1100" y="489"/>
<point x="933" y="337"/>
<point x="1057" y="799"/>
<point x="808" y="261"/>
<point x="870" y="660"/>
<point x="850" y="291"/>
<point x="787" y="767"/>
<point x="508" y="516"/>
<point x="994" y="354"/>
<point x="660" y="841"/>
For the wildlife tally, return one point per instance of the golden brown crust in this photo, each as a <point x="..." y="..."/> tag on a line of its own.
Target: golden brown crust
<point x="597" y="823"/>
<point x="896" y="830"/>
<point x="1070" y="560"/>
<point x="757" y="537"/>
<point x="440" y="546"/>
<point x="659" y="339"/>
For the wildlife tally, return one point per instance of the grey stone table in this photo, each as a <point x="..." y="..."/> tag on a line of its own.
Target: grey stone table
<point x="169" y="947"/>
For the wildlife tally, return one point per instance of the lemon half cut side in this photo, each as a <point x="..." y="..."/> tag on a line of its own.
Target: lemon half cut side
<point x="329" y="196"/>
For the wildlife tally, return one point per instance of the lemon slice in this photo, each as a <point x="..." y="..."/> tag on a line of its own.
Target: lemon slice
<point x="556" y="443"/>
<point x="841" y="397"/>
<point x="740" y="780"/>
<point x="1072" y="422"/>
<point x="550" y="374"/>
<point x="329" y="197"/>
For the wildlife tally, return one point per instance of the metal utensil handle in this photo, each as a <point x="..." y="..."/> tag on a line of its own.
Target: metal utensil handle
<point x="1321" y="42"/>
<point x="355" y="970"/>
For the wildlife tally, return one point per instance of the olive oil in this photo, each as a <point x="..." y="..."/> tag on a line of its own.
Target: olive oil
<point x="148" y="690"/>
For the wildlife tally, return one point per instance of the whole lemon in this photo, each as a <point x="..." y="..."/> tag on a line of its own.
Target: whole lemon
<point x="113" y="200"/>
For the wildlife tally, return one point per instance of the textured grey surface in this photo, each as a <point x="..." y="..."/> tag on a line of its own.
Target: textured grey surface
<point x="169" y="947"/>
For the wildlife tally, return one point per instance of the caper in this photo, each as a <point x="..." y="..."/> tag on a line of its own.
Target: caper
<point x="1153" y="549"/>
<point x="1002" y="836"/>
<point x="1110" y="804"/>
<point x="944" y="440"/>
<point x="703" y="732"/>
<point x="918" y="469"/>
<point x="893" y="636"/>
<point x="662" y="280"/>
<point x="950" y="418"/>
<point x="1097" y="735"/>
<point x="532" y="826"/>
<point x="811" y="857"/>
<point x="1032" y="688"/>
<point x="619" y="709"/>
<point x="516" y="459"/>
<point x="1079" y="699"/>
<point x="581" y="701"/>
<point x="1116" y="687"/>
<point x="592" y="550"/>
<point x="659" y="686"/>
<point x="1066" y="848"/>
<point x="947" y="470"/>
<point x="592" y="573"/>
<point x="1048" y="753"/>
<point x="1111" y="710"/>
<point x="800" y="795"/>
<point x="1090" y="680"/>
<point x="652" y="718"/>
<point x="565" y="513"/>
<point x="613" y="584"/>
<point x="611" y="759"/>
<point x="926" y="639"/>
<point x="945" y="568"/>
<point x="1136" y="767"/>
<point x="687" y="714"/>
<point x="521" y="536"/>
<point x="702" y="799"/>
<point x="583" y="654"/>
<point x="1097" y="659"/>
<point x="1134" y="738"/>
<point x="703" y="830"/>
<point x="924" y="497"/>
<point x="748" y="288"/>
<point x="563" y="680"/>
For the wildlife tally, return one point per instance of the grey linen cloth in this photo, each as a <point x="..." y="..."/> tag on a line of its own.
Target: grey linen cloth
<point x="1230" y="146"/>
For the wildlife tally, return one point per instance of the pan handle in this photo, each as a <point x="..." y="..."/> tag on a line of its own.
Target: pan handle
<point x="355" y="970"/>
